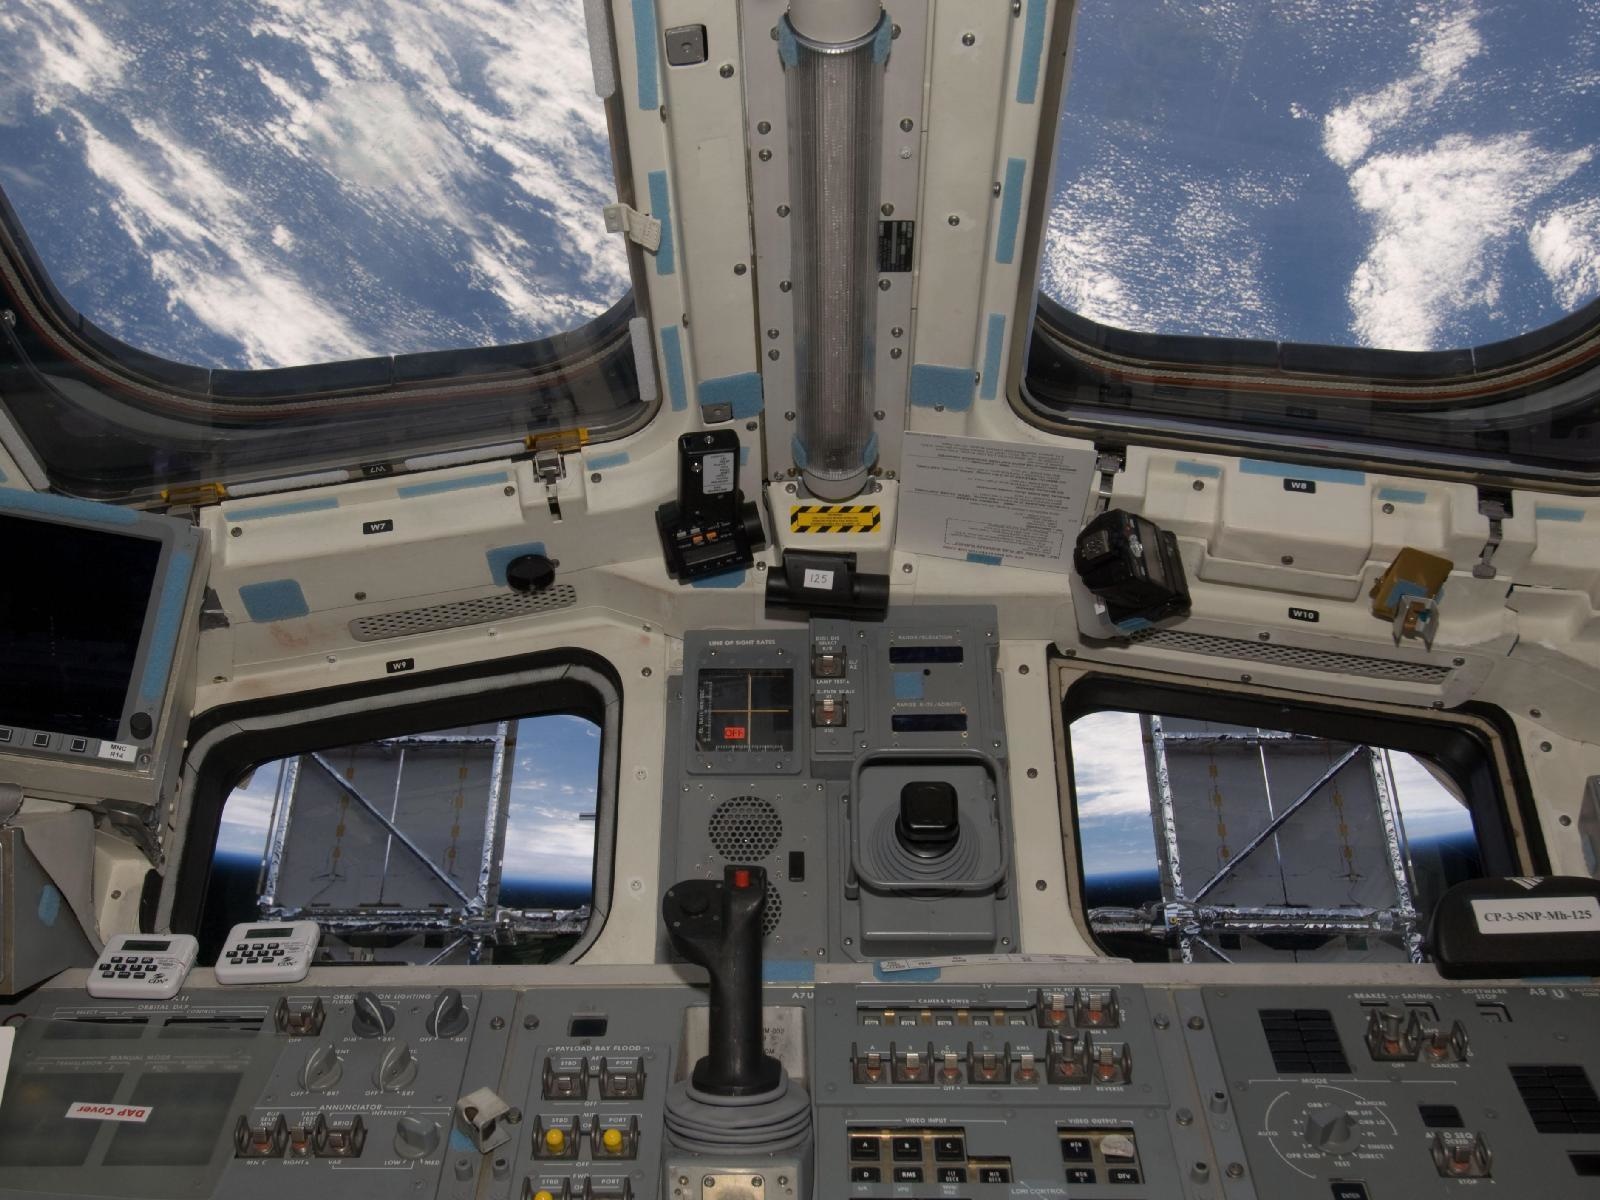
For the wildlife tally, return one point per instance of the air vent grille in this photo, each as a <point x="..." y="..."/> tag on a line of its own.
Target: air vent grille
<point x="499" y="607"/>
<point x="745" y="829"/>
<point x="1303" y="1041"/>
<point x="772" y="913"/>
<point x="1559" y="1097"/>
<point x="1293" y="656"/>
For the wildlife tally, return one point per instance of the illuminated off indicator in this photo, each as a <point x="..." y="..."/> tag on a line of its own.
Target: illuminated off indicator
<point x="834" y="518"/>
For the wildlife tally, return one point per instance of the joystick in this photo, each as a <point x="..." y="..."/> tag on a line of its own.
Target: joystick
<point x="718" y="926"/>
<point x="739" y="1111"/>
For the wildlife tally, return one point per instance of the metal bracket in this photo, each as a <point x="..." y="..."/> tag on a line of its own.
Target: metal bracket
<point x="1497" y="512"/>
<point x="549" y="466"/>
<point x="639" y="227"/>
<point x="1418" y="616"/>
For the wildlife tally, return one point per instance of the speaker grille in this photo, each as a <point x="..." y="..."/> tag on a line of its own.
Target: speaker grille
<point x="745" y="829"/>
<point x="1293" y="656"/>
<point x="498" y="607"/>
<point x="773" y="912"/>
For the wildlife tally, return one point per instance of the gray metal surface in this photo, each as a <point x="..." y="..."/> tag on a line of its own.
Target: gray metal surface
<point x="834" y="787"/>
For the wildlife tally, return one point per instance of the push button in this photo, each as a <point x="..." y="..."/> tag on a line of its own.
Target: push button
<point x="1349" y="1189"/>
<point x="908" y="1174"/>
<point x="950" y="1149"/>
<point x="864" y="1149"/>
<point x="865" y="1175"/>
<point x="908" y="1149"/>
<point x="1122" y="1175"/>
<point x="1080" y="1174"/>
<point x="1077" y="1149"/>
<point x="952" y="1175"/>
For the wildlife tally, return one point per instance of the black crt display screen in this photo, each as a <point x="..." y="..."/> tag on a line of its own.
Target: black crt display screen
<point x="739" y="709"/>
<point x="72" y="609"/>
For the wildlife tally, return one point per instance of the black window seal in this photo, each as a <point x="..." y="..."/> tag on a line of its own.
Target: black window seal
<point x="227" y="741"/>
<point x="1495" y="803"/>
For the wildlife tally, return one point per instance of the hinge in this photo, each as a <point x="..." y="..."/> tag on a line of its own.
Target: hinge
<point x="1497" y="507"/>
<point x="549" y="466"/>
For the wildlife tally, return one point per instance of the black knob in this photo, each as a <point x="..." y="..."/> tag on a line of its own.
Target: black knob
<point x="370" y="1017"/>
<point x="718" y="926"/>
<point x="929" y="824"/>
<point x="530" y="573"/>
<point x="140" y="725"/>
<point x="448" y="1017"/>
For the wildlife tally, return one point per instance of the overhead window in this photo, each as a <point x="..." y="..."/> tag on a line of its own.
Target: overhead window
<point x="1417" y="176"/>
<point x="247" y="186"/>
<point x="1203" y="840"/>
<point x="475" y="843"/>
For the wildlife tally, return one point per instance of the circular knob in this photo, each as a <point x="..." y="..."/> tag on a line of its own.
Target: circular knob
<point x="448" y="1017"/>
<point x="396" y="1069"/>
<point x="1329" y="1128"/>
<point x="416" y="1137"/>
<point x="371" y="1017"/>
<point x="530" y="573"/>
<point x="322" y="1068"/>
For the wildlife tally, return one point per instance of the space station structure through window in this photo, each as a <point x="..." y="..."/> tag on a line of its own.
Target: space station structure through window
<point x="462" y="845"/>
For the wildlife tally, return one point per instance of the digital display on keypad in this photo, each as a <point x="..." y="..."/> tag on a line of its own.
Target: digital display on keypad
<point x="269" y="933"/>
<point x="146" y="947"/>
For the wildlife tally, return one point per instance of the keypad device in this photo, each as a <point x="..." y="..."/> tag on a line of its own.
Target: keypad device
<point x="261" y="953"/>
<point x="137" y="966"/>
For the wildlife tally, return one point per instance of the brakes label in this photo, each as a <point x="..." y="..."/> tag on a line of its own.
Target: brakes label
<point x="834" y="518"/>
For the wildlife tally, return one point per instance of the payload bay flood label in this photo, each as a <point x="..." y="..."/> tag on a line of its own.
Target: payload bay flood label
<point x="1547" y="914"/>
<point x="834" y="518"/>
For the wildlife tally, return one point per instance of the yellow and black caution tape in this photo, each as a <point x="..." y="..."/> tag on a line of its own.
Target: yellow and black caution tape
<point x="834" y="518"/>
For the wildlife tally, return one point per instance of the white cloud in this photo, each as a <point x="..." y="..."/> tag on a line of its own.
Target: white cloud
<point x="1108" y="770"/>
<point x="1566" y="245"/>
<point x="1443" y="218"/>
<point x="1448" y="44"/>
<point x="54" y="53"/>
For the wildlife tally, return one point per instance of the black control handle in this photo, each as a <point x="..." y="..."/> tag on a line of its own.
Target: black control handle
<point x="717" y="925"/>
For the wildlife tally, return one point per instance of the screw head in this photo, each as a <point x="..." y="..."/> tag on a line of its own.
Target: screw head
<point x="886" y="209"/>
<point x="897" y="332"/>
<point x="789" y="416"/>
<point x="1033" y="772"/>
<point x="1199" y="485"/>
<point x="907" y="125"/>
<point x="877" y="415"/>
<point x="895" y="352"/>
<point x="773" y="355"/>
<point x="784" y="285"/>
<point x="884" y="285"/>
<point x="764" y="128"/>
<point x="783" y="210"/>
<point x="739" y="268"/>
<point x="954" y="220"/>
<point x="726" y="70"/>
<point x="510" y="491"/>
<point x="645" y="671"/>
<point x="235" y="532"/>
<point x="1287" y="560"/>
<point x="1388" y="510"/>
<point x="969" y="39"/>
<point x="765" y="155"/>
<point x="595" y="478"/>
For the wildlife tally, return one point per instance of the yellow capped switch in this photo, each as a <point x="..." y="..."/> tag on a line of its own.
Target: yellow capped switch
<point x="611" y="1139"/>
<point x="544" y="1195"/>
<point x="555" y="1139"/>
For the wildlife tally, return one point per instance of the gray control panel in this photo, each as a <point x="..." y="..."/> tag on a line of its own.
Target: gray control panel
<point x="864" y="765"/>
<point x="1098" y="1087"/>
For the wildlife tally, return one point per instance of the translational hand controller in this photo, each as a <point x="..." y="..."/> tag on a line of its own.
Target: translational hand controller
<point x="717" y="925"/>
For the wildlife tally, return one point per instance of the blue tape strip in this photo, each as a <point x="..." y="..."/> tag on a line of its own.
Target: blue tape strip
<point x="49" y="905"/>
<point x="990" y="388"/>
<point x="672" y="357"/>
<point x="740" y="392"/>
<point x="932" y="386"/>
<point x="603" y="462"/>
<point x="287" y="508"/>
<point x="908" y="685"/>
<point x="1134" y="624"/>
<point x="274" y="600"/>
<point x="787" y="970"/>
<point x="1550" y="512"/>
<point x="788" y="47"/>
<point x="1260" y="466"/>
<point x="169" y="620"/>
<point x="744" y="456"/>
<point x="500" y="557"/>
<point x="732" y="579"/>
<point x="46" y="505"/>
<point x="1402" y="496"/>
<point x="882" y="40"/>
<point x="1005" y="247"/>
<point x="987" y="560"/>
<point x="798" y="452"/>
<point x="644" y="49"/>
<point x="915" y="975"/>
<point x="1032" y="53"/>
<point x="434" y="487"/>
<point x="661" y="210"/>
<point x="1206" y="470"/>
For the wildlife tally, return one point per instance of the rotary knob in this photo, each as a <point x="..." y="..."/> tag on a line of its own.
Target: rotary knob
<point x="322" y="1068"/>
<point x="396" y="1069"/>
<point x="1329" y="1129"/>
<point x="448" y="1017"/>
<point x="416" y="1137"/>
<point x="371" y="1017"/>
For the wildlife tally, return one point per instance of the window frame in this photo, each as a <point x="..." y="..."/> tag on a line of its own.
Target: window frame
<point x="1147" y="389"/>
<point x="1494" y="790"/>
<point x="227" y="741"/>
<point x="390" y="392"/>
